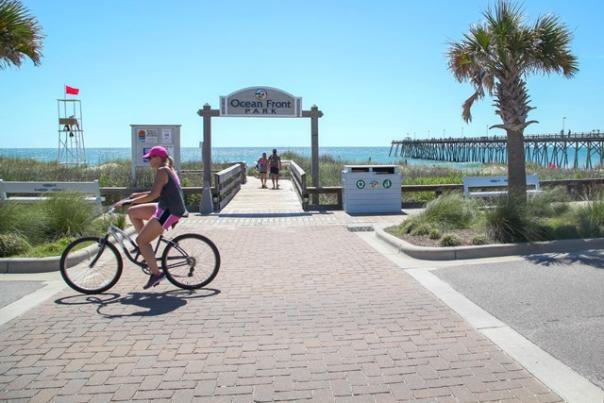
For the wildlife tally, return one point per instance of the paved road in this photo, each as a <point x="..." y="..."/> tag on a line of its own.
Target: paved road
<point x="11" y="291"/>
<point x="556" y="301"/>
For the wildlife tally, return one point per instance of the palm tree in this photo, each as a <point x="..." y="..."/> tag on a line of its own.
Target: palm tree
<point x="497" y="55"/>
<point x="20" y="35"/>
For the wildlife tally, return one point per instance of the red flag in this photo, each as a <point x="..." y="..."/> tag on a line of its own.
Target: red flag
<point x="71" y="90"/>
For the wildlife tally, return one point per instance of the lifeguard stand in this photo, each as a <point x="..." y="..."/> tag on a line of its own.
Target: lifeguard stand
<point x="71" y="133"/>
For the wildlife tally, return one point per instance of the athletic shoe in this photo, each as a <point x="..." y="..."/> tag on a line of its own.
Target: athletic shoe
<point x="154" y="279"/>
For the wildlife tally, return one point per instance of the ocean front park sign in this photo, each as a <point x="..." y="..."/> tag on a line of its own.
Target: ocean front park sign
<point x="264" y="102"/>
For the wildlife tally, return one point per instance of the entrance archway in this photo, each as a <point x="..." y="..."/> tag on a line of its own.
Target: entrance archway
<point x="256" y="102"/>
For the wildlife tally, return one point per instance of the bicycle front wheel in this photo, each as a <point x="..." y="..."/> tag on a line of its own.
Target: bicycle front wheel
<point x="191" y="261"/>
<point x="91" y="265"/>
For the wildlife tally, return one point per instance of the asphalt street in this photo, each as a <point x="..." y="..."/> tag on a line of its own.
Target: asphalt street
<point x="556" y="301"/>
<point x="11" y="291"/>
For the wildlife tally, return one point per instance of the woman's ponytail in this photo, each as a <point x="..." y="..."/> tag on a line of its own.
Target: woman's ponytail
<point x="170" y="162"/>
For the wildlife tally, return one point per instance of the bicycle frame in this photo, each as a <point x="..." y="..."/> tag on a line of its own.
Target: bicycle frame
<point x="121" y="237"/>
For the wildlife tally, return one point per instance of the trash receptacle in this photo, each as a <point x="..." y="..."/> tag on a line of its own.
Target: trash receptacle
<point x="371" y="188"/>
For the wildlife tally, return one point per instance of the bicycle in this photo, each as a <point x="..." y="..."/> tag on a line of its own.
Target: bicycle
<point x="92" y="265"/>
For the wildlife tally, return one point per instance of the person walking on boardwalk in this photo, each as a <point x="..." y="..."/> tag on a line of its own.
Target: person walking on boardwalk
<point x="159" y="216"/>
<point x="274" y="163"/>
<point x="262" y="167"/>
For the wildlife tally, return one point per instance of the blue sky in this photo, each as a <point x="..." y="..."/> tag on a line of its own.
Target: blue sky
<point x="378" y="70"/>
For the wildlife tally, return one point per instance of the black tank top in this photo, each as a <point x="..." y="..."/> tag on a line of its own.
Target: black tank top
<point x="171" y="197"/>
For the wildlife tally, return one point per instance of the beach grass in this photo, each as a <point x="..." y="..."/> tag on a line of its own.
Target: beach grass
<point x="454" y="220"/>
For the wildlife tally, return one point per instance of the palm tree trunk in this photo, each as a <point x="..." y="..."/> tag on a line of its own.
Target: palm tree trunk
<point x="516" y="164"/>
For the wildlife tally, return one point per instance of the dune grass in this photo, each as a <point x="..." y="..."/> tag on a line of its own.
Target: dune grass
<point x="544" y="217"/>
<point x="46" y="227"/>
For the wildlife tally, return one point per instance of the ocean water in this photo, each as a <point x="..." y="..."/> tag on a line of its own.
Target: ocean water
<point x="360" y="155"/>
<point x="363" y="155"/>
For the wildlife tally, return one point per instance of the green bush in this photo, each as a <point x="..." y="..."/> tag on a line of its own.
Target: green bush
<point x="422" y="229"/>
<point x="479" y="240"/>
<point x="410" y="224"/>
<point x="507" y="221"/>
<point x="8" y="216"/>
<point x="452" y="211"/>
<point x="514" y="220"/>
<point x="120" y="221"/>
<point x="549" y="203"/>
<point x="12" y="244"/>
<point x="566" y="231"/>
<point x="450" y="240"/>
<point x="68" y="213"/>
<point x="435" y="234"/>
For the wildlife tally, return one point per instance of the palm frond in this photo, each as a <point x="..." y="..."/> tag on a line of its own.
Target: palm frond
<point x="20" y="35"/>
<point x="552" y="47"/>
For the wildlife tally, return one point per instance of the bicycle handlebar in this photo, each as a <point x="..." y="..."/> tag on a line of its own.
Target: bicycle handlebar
<point x="125" y="202"/>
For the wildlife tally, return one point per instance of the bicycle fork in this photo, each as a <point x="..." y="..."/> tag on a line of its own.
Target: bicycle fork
<point x="100" y="252"/>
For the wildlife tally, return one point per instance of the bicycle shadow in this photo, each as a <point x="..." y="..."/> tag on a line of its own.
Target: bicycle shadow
<point x="152" y="304"/>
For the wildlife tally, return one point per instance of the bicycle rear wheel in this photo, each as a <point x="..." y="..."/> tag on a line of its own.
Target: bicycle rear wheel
<point x="191" y="261"/>
<point x="91" y="265"/>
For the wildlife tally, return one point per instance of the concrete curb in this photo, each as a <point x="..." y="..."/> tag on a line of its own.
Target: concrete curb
<point x="484" y="251"/>
<point x="37" y="264"/>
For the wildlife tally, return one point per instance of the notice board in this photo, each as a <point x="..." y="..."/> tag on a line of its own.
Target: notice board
<point x="146" y="136"/>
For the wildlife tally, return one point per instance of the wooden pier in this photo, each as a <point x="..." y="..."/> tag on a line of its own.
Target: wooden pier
<point x="579" y="150"/>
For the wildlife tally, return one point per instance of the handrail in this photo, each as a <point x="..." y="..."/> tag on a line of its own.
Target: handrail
<point x="298" y="177"/>
<point x="227" y="183"/>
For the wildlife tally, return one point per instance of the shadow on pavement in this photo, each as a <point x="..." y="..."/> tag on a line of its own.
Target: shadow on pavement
<point x="153" y="304"/>
<point x="593" y="258"/>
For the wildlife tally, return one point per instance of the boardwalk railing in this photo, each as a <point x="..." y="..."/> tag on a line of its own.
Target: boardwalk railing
<point x="577" y="186"/>
<point x="298" y="177"/>
<point x="227" y="183"/>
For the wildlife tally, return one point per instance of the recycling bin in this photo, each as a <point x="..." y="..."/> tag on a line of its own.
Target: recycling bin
<point x="371" y="189"/>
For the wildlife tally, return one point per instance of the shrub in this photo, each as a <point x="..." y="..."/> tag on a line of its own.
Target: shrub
<point x="120" y="221"/>
<point x="29" y="221"/>
<point x="452" y="211"/>
<point x="566" y="231"/>
<point x="514" y="220"/>
<point x="479" y="240"/>
<point x="450" y="240"/>
<point x="508" y="221"/>
<point x="422" y="229"/>
<point x="435" y="234"/>
<point x="409" y="224"/>
<point x="549" y="203"/>
<point x="12" y="244"/>
<point x="68" y="213"/>
<point x="8" y="215"/>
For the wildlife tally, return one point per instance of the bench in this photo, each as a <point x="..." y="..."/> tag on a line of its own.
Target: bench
<point x="494" y="182"/>
<point x="8" y="188"/>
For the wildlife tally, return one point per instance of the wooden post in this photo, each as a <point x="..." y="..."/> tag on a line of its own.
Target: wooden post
<point x="314" y="114"/>
<point x="207" y="206"/>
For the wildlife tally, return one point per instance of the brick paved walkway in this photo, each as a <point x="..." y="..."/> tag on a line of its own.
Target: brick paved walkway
<point x="321" y="318"/>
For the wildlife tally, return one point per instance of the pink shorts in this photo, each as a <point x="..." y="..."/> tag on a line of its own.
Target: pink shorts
<point x="165" y="218"/>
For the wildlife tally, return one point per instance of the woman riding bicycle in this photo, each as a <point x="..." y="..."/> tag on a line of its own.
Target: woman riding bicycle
<point x="159" y="216"/>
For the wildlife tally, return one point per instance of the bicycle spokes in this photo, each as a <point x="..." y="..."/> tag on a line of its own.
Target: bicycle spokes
<point x="191" y="261"/>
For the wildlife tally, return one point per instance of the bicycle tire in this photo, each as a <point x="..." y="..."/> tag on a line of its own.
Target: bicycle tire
<point x="88" y="255"/>
<point x="206" y="262"/>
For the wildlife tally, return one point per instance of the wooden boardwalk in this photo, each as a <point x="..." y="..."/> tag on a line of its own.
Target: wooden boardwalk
<point x="253" y="200"/>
